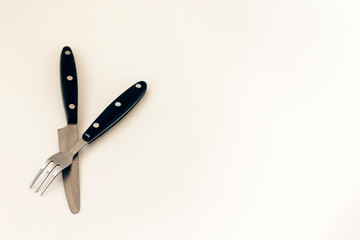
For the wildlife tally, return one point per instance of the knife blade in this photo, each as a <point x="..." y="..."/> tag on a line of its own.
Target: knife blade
<point x="68" y="135"/>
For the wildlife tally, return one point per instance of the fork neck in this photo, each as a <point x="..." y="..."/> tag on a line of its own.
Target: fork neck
<point x="78" y="146"/>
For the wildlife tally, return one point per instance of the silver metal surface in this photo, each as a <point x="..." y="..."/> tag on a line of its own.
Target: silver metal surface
<point x="78" y="146"/>
<point x="68" y="137"/>
<point x="60" y="161"/>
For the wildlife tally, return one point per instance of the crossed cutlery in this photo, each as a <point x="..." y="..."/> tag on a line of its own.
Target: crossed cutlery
<point x="108" y="118"/>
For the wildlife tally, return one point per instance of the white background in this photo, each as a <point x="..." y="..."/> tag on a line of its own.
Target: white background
<point x="250" y="128"/>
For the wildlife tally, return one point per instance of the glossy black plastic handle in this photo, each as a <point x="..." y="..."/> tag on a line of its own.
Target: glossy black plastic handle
<point x="115" y="111"/>
<point x="69" y="85"/>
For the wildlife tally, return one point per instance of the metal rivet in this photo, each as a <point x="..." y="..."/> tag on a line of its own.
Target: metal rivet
<point x="71" y="106"/>
<point x="96" y="125"/>
<point x="138" y="85"/>
<point x="118" y="104"/>
<point x="67" y="52"/>
<point x="69" y="78"/>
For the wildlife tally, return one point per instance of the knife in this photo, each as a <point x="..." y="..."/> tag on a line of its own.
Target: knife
<point x="68" y="135"/>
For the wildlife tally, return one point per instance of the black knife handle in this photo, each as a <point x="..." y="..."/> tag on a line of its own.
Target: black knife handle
<point x="69" y="85"/>
<point x="115" y="111"/>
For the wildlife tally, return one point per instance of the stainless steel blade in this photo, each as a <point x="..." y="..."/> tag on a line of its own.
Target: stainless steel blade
<point x="68" y="137"/>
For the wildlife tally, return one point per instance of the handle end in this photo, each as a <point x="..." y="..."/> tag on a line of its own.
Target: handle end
<point x="141" y="84"/>
<point x="66" y="48"/>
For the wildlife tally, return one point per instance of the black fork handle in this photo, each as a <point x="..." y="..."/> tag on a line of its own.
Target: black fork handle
<point x="115" y="111"/>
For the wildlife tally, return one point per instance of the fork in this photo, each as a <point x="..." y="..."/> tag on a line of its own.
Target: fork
<point x="108" y="118"/>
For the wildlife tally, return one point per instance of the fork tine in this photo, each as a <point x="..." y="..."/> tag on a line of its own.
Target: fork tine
<point x="54" y="174"/>
<point x="48" y="174"/>
<point x="40" y="171"/>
